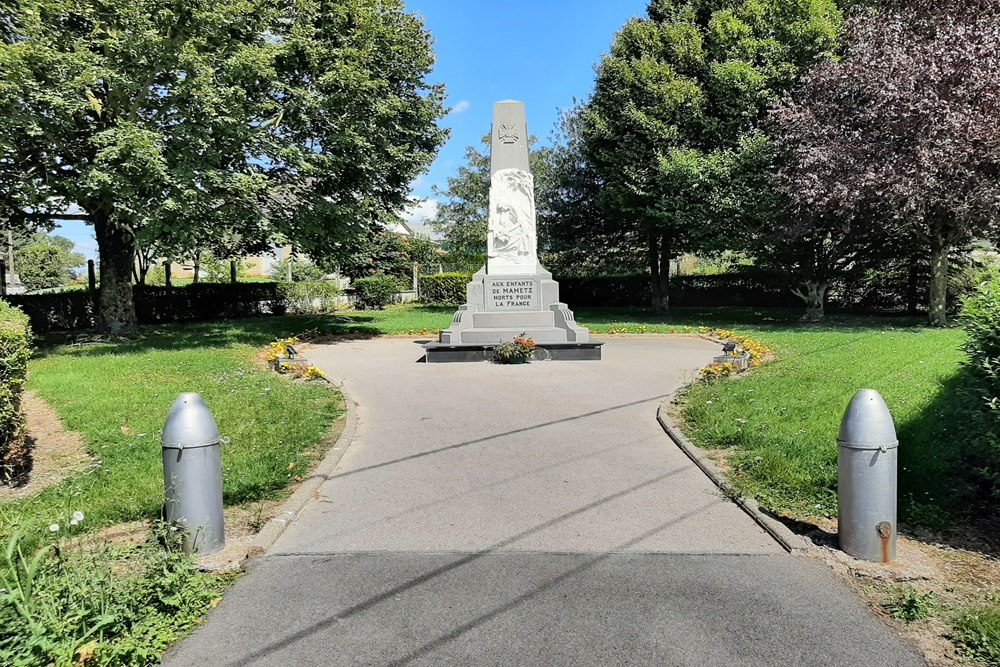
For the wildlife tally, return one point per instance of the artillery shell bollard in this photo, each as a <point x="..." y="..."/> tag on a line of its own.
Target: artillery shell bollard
<point x="866" y="467"/>
<point x="192" y="475"/>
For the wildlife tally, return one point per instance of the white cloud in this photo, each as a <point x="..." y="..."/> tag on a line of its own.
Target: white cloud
<point x="460" y="107"/>
<point x="417" y="214"/>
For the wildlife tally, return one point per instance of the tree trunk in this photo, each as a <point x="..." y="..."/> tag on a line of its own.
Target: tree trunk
<point x="938" y="301"/>
<point x="814" y="294"/>
<point x="911" y="288"/>
<point x="664" y="277"/>
<point x="117" y="253"/>
<point x="197" y="268"/>
<point x="655" y="286"/>
<point x="232" y="271"/>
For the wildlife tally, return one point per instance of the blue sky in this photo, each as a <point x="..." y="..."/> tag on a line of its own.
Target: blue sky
<point x="541" y="52"/>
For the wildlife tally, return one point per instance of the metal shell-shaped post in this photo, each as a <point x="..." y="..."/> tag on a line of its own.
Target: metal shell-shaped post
<point x="192" y="474"/>
<point x="867" y="458"/>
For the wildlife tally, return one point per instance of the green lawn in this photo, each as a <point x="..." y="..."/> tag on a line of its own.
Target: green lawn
<point x="117" y="396"/>
<point x="780" y="421"/>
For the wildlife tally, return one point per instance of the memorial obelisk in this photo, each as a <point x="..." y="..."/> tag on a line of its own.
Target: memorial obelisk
<point x="512" y="294"/>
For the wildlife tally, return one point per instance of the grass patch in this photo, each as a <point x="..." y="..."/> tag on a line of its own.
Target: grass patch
<point x="781" y="420"/>
<point x="78" y="601"/>
<point x="117" y="396"/>
<point x="978" y="633"/>
<point x="112" y="606"/>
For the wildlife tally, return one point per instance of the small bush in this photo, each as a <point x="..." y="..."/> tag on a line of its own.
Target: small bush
<point x="978" y="633"/>
<point x="981" y="320"/>
<point x="444" y="289"/>
<point x="314" y="297"/>
<point x="374" y="292"/>
<point x="15" y="348"/>
<point x="302" y="270"/>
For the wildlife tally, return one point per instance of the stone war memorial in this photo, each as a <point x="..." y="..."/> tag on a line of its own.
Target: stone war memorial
<point x="512" y="294"/>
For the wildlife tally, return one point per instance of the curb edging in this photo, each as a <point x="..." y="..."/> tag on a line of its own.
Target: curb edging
<point x="788" y="540"/>
<point x="291" y="508"/>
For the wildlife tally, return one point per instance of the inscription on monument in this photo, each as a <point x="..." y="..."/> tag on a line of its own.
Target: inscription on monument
<point x="511" y="294"/>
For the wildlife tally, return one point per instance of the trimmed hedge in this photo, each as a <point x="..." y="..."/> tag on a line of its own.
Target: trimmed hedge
<point x="374" y="292"/>
<point x="444" y="289"/>
<point x="15" y="348"/>
<point x="206" y="301"/>
<point x="68" y="311"/>
<point x="57" y="311"/>
<point x="313" y="297"/>
<point x="753" y="290"/>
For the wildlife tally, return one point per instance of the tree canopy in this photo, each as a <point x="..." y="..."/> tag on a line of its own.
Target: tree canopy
<point x="201" y="123"/>
<point x="680" y="91"/>
<point x="899" y="138"/>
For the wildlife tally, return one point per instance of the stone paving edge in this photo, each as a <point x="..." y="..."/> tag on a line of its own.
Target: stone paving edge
<point x="788" y="540"/>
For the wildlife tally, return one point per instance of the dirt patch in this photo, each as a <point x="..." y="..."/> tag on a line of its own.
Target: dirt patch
<point x="54" y="452"/>
<point x="948" y="578"/>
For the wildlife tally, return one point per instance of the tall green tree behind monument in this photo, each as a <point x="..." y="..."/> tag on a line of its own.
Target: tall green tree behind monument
<point x="681" y="92"/>
<point x="183" y="121"/>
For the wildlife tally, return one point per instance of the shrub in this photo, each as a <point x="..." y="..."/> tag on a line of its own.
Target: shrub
<point x="374" y="292"/>
<point x="981" y="320"/>
<point x="302" y="270"/>
<point x="15" y="348"/>
<point x="313" y="297"/>
<point x="444" y="289"/>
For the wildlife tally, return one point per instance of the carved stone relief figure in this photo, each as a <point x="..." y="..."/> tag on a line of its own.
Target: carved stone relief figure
<point x="512" y="218"/>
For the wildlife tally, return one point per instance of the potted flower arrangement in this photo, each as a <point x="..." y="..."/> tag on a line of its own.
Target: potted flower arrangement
<point x="516" y="351"/>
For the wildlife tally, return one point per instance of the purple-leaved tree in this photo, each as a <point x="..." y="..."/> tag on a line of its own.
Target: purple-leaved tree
<point x="903" y="131"/>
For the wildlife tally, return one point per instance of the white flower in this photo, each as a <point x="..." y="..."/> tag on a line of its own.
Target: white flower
<point x="54" y="528"/>
<point x="75" y="518"/>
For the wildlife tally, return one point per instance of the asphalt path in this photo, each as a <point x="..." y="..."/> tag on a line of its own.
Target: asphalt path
<point x="528" y="515"/>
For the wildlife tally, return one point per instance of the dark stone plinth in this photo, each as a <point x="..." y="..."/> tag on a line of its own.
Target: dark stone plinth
<point x="446" y="352"/>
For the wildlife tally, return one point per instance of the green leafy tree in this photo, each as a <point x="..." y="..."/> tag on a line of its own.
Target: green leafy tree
<point x="575" y="237"/>
<point x="46" y="261"/>
<point x="386" y="253"/>
<point x="679" y="92"/>
<point x="181" y="122"/>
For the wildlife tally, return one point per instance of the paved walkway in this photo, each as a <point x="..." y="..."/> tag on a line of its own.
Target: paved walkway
<point x="528" y="515"/>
